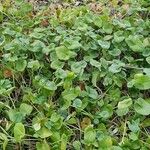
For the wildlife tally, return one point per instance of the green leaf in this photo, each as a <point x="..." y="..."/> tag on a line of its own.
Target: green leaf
<point x="115" y="52"/>
<point x="148" y="59"/>
<point x="89" y="135"/>
<point x="71" y="94"/>
<point x="5" y="87"/>
<point x="95" y="63"/>
<point x="134" y="125"/>
<point x="95" y="76"/>
<point x="15" y="116"/>
<point x="135" y="43"/>
<point x="106" y="111"/>
<point x="5" y="140"/>
<point x="133" y="136"/>
<point x="55" y="117"/>
<point x="98" y="22"/>
<point x="24" y="9"/>
<point x="64" y="53"/>
<point x="78" y="67"/>
<point x="104" y="63"/>
<point x="37" y="126"/>
<point x="116" y="148"/>
<point x="1" y="7"/>
<point x="147" y="71"/>
<point x="105" y="142"/>
<point x="19" y="131"/>
<point x="108" y="37"/>
<point x="64" y="139"/>
<point x="92" y="93"/>
<point x="42" y="145"/>
<point x="21" y="65"/>
<point x="25" y="109"/>
<point x="48" y="49"/>
<point x="74" y="45"/>
<point x="118" y="36"/>
<point x="34" y="64"/>
<point x="116" y="66"/>
<point x="104" y="44"/>
<point x="107" y="27"/>
<point x="107" y="81"/>
<point x="2" y="40"/>
<point x="56" y="64"/>
<point x="125" y="103"/>
<point x="77" y="145"/>
<point x="50" y="85"/>
<point x="140" y="81"/>
<point x="142" y="107"/>
<point x="123" y="111"/>
<point x="37" y="35"/>
<point x="46" y="84"/>
<point x="60" y="73"/>
<point x="43" y="133"/>
<point x="37" y="46"/>
<point x="77" y="103"/>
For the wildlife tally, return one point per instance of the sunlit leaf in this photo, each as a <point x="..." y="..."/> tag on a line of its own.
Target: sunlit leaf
<point x="142" y="106"/>
<point x="19" y="131"/>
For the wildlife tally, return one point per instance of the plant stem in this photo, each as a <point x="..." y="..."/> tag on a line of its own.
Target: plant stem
<point x="124" y="132"/>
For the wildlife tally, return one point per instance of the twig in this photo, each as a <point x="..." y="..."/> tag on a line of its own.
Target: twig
<point x="124" y="132"/>
<point x="80" y="129"/>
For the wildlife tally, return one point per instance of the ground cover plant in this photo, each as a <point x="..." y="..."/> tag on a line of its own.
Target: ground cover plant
<point x="75" y="77"/>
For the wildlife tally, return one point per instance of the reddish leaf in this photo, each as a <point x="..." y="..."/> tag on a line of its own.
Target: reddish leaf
<point x="7" y="73"/>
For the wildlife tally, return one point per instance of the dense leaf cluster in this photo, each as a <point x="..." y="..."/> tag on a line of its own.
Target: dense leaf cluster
<point x="75" y="78"/>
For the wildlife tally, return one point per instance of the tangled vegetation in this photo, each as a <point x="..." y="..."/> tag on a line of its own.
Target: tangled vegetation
<point x="75" y="78"/>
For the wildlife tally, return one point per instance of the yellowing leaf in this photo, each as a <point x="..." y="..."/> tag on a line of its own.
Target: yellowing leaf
<point x="85" y="122"/>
